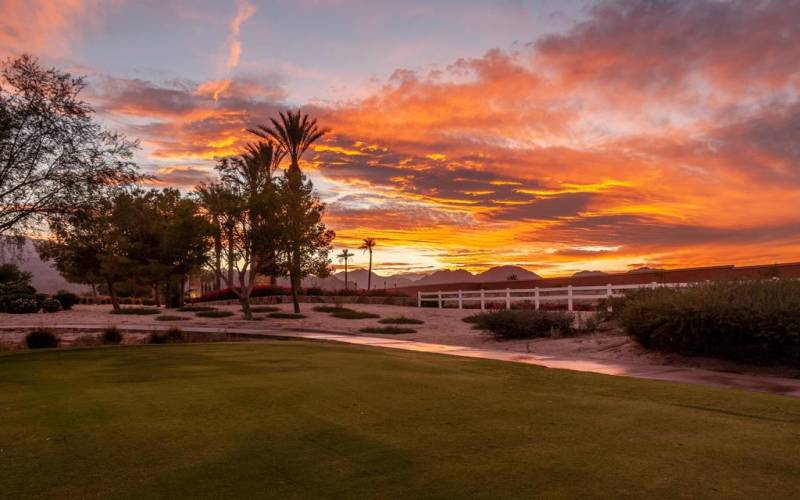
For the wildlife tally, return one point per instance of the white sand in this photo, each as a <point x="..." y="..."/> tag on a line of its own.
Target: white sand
<point x="442" y="326"/>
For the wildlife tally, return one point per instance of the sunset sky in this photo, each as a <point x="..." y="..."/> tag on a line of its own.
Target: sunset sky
<point x="559" y="135"/>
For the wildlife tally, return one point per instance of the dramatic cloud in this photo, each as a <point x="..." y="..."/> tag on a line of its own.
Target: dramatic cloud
<point x="661" y="132"/>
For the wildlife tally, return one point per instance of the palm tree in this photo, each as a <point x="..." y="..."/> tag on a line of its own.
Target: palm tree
<point x="295" y="132"/>
<point x="213" y="197"/>
<point x="344" y="256"/>
<point x="367" y="246"/>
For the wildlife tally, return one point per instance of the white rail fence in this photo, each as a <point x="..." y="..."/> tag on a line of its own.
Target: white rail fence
<point x="569" y="294"/>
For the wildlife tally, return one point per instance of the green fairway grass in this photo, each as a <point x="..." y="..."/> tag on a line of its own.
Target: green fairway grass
<point x="291" y="419"/>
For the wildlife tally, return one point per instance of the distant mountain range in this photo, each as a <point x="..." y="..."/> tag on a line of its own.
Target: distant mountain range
<point x="500" y="273"/>
<point x="45" y="277"/>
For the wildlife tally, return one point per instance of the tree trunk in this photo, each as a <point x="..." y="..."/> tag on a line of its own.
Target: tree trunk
<point x="217" y="254"/>
<point x="94" y="292"/>
<point x="295" y="300"/>
<point x="345" y="275"/>
<point x="246" y="309"/>
<point x="369" y="275"/>
<point x="181" y="297"/>
<point x="230" y="259"/>
<point x="156" y="295"/>
<point x="113" y="294"/>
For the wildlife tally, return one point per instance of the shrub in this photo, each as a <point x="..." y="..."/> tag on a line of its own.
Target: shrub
<point x="112" y="336"/>
<point x="137" y="311"/>
<point x="21" y="304"/>
<point x="213" y="314"/>
<point x="41" y="338"/>
<point x="401" y="320"/>
<point x="196" y="308"/>
<point x="167" y="317"/>
<point x="524" y="324"/>
<point x="285" y="315"/>
<point x="51" y="305"/>
<point x="66" y="299"/>
<point x="387" y="330"/>
<point x="264" y="309"/>
<point x="171" y="336"/>
<point x="350" y="314"/>
<point x="755" y="321"/>
<point x="331" y="309"/>
<point x="148" y="302"/>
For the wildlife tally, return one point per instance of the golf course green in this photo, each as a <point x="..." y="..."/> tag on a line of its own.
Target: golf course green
<point x="290" y="419"/>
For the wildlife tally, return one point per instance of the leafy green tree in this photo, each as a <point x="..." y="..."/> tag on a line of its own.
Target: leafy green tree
<point x="86" y="247"/>
<point x="255" y="233"/>
<point x="295" y="132"/>
<point x="305" y="241"/>
<point x="55" y="158"/>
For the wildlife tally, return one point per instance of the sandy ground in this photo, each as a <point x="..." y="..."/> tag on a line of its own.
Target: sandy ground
<point x="442" y="326"/>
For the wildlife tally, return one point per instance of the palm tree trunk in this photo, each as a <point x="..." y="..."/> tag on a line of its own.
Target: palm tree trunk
<point x="230" y="259"/>
<point x="113" y="294"/>
<point x="369" y="276"/>
<point x="345" y="275"/>
<point x="217" y="255"/>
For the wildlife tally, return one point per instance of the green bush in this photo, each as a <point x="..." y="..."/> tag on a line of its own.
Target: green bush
<point x="51" y="305"/>
<point x="754" y="321"/>
<point x="401" y="320"/>
<point x="387" y="330"/>
<point x="350" y="314"/>
<point x="20" y="304"/>
<point x="330" y="309"/>
<point x="195" y="309"/>
<point x="167" y="317"/>
<point x="213" y="314"/>
<point x="524" y="323"/>
<point x="171" y="336"/>
<point x="41" y="338"/>
<point x="285" y="315"/>
<point x="137" y="311"/>
<point x="112" y="336"/>
<point x="66" y="299"/>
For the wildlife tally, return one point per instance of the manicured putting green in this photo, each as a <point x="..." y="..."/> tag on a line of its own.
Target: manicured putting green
<point x="310" y="420"/>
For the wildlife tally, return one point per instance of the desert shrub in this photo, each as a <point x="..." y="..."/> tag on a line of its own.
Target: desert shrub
<point x="51" y="305"/>
<point x="20" y="304"/>
<point x="315" y="291"/>
<point x="196" y="308"/>
<point x="41" y="338"/>
<point x="523" y="324"/>
<point x="213" y="314"/>
<point x="66" y="299"/>
<point x="171" y="336"/>
<point x="112" y="336"/>
<point x="754" y="321"/>
<point x="137" y="311"/>
<point x="331" y="309"/>
<point x="401" y="320"/>
<point x="167" y="317"/>
<point x="285" y="315"/>
<point x="148" y="302"/>
<point x="387" y="330"/>
<point x="472" y="318"/>
<point x="350" y="314"/>
<point x="264" y="309"/>
<point x="86" y="341"/>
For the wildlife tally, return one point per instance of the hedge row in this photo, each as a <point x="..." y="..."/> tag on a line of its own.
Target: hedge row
<point x="756" y="321"/>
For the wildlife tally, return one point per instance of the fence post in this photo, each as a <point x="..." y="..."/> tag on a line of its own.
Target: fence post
<point x="569" y="298"/>
<point x="419" y="299"/>
<point x="536" y="297"/>
<point x="610" y="295"/>
<point x="483" y="303"/>
<point x="460" y="300"/>
<point x="439" y="297"/>
<point x="508" y="298"/>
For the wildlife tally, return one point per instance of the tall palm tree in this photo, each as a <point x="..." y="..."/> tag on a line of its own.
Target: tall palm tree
<point x="344" y="256"/>
<point x="367" y="246"/>
<point x="212" y="198"/>
<point x="295" y="132"/>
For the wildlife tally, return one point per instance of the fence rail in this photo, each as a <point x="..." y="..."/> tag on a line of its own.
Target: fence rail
<point x="537" y="296"/>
